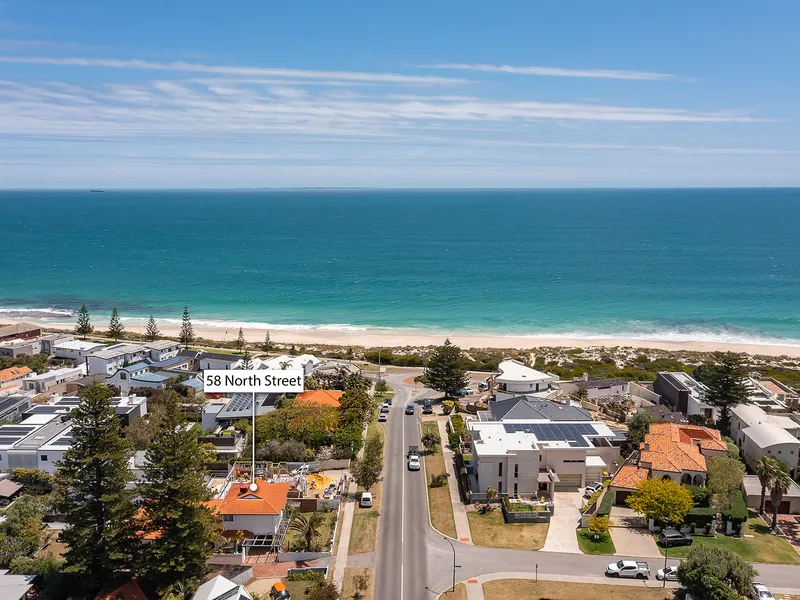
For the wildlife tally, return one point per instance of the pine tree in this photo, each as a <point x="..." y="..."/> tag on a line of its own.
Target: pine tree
<point x="240" y="343"/>
<point x="83" y="326"/>
<point x="151" y="331"/>
<point x="186" y="336"/>
<point x="446" y="370"/>
<point x="266" y="345"/>
<point x="115" y="327"/>
<point x="173" y="496"/>
<point x="247" y="361"/>
<point x="725" y="379"/>
<point x="90" y="486"/>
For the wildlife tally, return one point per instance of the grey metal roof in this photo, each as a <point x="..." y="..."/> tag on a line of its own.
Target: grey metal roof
<point x="529" y="407"/>
<point x="593" y="384"/>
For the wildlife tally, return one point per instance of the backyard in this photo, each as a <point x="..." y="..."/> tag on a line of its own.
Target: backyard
<point x="439" y="500"/>
<point x="527" y="589"/>
<point x="294" y="540"/>
<point x="490" y="529"/>
<point x="758" y="545"/>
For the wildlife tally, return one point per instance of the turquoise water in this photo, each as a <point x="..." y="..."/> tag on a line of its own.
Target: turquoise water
<point x="651" y="264"/>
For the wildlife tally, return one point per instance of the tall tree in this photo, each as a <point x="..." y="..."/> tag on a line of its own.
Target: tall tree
<point x="240" y="342"/>
<point x="84" y="325"/>
<point x="173" y="496"/>
<point x="366" y="471"/>
<point x="780" y="484"/>
<point x="151" y="332"/>
<point x="638" y="426"/>
<point x="724" y="478"/>
<point x="115" y="327"/>
<point x="446" y="370"/>
<point x="661" y="500"/>
<point x="706" y="567"/>
<point x="247" y="361"/>
<point x="266" y="346"/>
<point x="186" y="336"/>
<point x="767" y="468"/>
<point x="725" y="378"/>
<point x="91" y="488"/>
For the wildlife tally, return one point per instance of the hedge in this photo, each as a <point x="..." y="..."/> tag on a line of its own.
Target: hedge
<point x="605" y="504"/>
<point x="699" y="516"/>
<point x="738" y="511"/>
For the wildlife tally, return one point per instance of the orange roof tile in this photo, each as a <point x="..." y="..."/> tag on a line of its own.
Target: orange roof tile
<point x="675" y="448"/>
<point x="268" y="499"/>
<point x="322" y="397"/>
<point x="629" y="477"/>
<point x="129" y="591"/>
<point x="14" y="373"/>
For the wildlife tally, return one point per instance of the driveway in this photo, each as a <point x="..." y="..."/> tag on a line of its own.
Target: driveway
<point x="791" y="528"/>
<point x="631" y="536"/>
<point x="561" y="536"/>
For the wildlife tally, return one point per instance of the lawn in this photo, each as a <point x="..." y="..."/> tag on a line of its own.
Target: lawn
<point x="527" y="589"/>
<point x="365" y="531"/>
<point x="763" y="547"/>
<point x="293" y="538"/>
<point x="297" y="589"/>
<point x="459" y="594"/>
<point x="439" y="501"/>
<point x="605" y="545"/>
<point x="348" y="589"/>
<point x="490" y="529"/>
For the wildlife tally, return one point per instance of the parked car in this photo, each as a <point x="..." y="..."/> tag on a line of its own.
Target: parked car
<point x="760" y="592"/>
<point x="466" y="391"/>
<point x="366" y="500"/>
<point x="427" y="407"/>
<point x="409" y="409"/>
<point x="386" y="406"/>
<point x="413" y="463"/>
<point x="483" y="386"/>
<point x="383" y="417"/>
<point x="673" y="538"/>
<point x="628" y="568"/>
<point x="388" y="400"/>
<point x="592" y="488"/>
<point x="279" y="592"/>
<point x="670" y="574"/>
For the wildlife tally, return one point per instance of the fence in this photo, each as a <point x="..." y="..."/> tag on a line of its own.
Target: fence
<point x="539" y="513"/>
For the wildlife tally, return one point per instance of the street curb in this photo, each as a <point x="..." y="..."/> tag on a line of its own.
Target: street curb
<point x="428" y="496"/>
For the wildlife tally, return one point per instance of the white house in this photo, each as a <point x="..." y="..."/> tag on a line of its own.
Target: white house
<point x="306" y="362"/>
<point x="216" y="362"/>
<point x="538" y="457"/>
<point x="21" y="442"/>
<point x="76" y="350"/>
<point x="112" y="358"/>
<point x="257" y="512"/>
<point x="221" y="588"/>
<point x="50" y="380"/>
<point x="759" y="433"/>
<point x="138" y="376"/>
<point x="515" y="378"/>
<point x="162" y="349"/>
<point x="52" y="451"/>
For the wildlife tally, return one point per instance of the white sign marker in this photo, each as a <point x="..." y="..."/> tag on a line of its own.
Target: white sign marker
<point x="264" y="381"/>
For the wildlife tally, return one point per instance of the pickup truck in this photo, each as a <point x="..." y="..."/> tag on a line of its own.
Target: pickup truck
<point x="628" y="568"/>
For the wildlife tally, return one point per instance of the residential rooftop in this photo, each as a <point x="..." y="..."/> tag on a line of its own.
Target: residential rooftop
<point x="511" y="371"/>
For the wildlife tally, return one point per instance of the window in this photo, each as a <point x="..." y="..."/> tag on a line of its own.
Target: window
<point x="515" y="488"/>
<point x="499" y="487"/>
<point x="227" y="518"/>
<point x="516" y="471"/>
<point x="500" y="469"/>
<point x="44" y="457"/>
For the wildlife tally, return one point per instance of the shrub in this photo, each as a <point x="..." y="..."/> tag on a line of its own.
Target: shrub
<point x="306" y="576"/>
<point x="738" y="511"/>
<point x="381" y="386"/>
<point x="35" y="480"/>
<point x="701" y="495"/>
<point x="605" y="505"/>
<point x="447" y="406"/>
<point x="439" y="479"/>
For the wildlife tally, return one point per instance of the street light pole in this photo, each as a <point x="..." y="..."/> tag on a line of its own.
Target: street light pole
<point x="666" y="553"/>
<point x="452" y="589"/>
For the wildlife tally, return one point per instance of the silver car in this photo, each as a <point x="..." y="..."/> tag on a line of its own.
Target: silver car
<point x="670" y="574"/>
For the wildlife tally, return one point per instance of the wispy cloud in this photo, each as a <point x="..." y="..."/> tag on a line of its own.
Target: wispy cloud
<point x="232" y="70"/>
<point x="558" y="72"/>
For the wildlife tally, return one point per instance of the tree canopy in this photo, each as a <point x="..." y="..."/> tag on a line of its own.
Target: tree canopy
<point x="115" y="327"/>
<point x="725" y="379"/>
<point x="151" y="332"/>
<point x="186" y="336"/>
<point x="84" y="325"/>
<point x="638" y="426"/>
<point x="662" y="500"/>
<point x="446" y="370"/>
<point x="714" y="573"/>
<point x="367" y="470"/>
<point x="724" y="478"/>
<point x="311" y="424"/>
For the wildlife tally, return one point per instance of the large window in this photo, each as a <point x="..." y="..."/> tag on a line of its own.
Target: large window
<point x="500" y="469"/>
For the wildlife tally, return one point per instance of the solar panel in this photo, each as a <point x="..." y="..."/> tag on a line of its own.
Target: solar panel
<point x="4" y="441"/>
<point x="240" y="402"/>
<point x="16" y="430"/>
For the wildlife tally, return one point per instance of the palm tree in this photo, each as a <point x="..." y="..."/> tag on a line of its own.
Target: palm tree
<point x="491" y="494"/>
<point x="778" y="487"/>
<point x="309" y="526"/>
<point x="766" y="467"/>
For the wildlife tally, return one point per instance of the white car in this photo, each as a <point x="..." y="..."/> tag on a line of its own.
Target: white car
<point x="467" y="391"/>
<point x="483" y="386"/>
<point x="385" y="407"/>
<point x="413" y="463"/>
<point x="670" y="574"/>
<point x="592" y="488"/>
<point x="383" y="417"/>
<point x="761" y="592"/>
<point x="366" y="500"/>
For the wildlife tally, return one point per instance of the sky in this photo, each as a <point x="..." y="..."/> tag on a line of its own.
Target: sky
<point x="207" y="94"/>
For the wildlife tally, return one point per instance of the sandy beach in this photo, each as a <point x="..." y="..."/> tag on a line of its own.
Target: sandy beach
<point x="387" y="339"/>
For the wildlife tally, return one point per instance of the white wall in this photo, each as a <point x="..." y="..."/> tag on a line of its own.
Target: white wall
<point x="258" y="524"/>
<point x="788" y="452"/>
<point x="53" y="456"/>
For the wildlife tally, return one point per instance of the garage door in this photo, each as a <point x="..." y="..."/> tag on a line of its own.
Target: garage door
<point x="621" y="497"/>
<point x="569" y="483"/>
<point x="783" y="507"/>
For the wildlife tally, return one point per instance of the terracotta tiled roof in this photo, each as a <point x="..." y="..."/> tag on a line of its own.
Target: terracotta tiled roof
<point x="268" y="499"/>
<point x="629" y="477"/>
<point x="323" y="397"/>
<point x="675" y="448"/>
<point x="129" y="591"/>
<point x="14" y="373"/>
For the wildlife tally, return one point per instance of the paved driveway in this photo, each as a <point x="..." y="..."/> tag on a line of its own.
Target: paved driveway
<point x="561" y="536"/>
<point x="631" y="536"/>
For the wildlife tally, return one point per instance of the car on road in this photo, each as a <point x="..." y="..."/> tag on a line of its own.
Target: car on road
<point x="673" y="538"/>
<point x="366" y="500"/>
<point x="760" y="592"/>
<point x="279" y="592"/>
<point x="427" y="407"/>
<point x="628" y="568"/>
<point x="466" y="391"/>
<point x="592" y="488"/>
<point x="385" y="408"/>
<point x="410" y="409"/>
<point x="670" y="574"/>
<point x="383" y="417"/>
<point x="413" y="463"/>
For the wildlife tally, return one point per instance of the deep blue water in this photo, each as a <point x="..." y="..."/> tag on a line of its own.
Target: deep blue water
<point x="667" y="264"/>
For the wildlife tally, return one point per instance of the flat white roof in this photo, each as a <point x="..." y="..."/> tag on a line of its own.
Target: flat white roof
<point x="595" y="461"/>
<point x="752" y="415"/>
<point x="40" y="419"/>
<point x="60" y="442"/>
<point x="502" y="437"/>
<point x="162" y="344"/>
<point x="119" y="350"/>
<point x="77" y="345"/>
<point x="57" y="373"/>
<point x="512" y="371"/>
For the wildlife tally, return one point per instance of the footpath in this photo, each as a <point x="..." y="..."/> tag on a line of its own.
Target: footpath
<point x="463" y="533"/>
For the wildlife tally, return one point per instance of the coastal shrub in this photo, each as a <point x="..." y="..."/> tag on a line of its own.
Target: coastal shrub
<point x="306" y="576"/>
<point x="36" y="480"/>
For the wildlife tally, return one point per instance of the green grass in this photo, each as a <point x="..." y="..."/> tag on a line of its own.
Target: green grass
<point x="605" y="545"/>
<point x="294" y="537"/>
<point x="763" y="547"/>
<point x="297" y="589"/>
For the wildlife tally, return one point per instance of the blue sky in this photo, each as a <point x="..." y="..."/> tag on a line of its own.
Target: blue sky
<point x="436" y="94"/>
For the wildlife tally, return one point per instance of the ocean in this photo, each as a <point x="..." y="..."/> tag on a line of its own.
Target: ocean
<point x="683" y="264"/>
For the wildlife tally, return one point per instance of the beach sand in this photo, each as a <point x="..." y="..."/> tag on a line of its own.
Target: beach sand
<point x="388" y="339"/>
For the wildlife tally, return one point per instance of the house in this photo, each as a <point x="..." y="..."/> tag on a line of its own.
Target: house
<point x="258" y="512"/>
<point x="228" y="443"/>
<point x="670" y="451"/>
<point x="52" y="451"/>
<point x="216" y="362"/>
<point x="514" y="378"/>
<point x="305" y="362"/>
<point x="20" y="347"/>
<point x="751" y="489"/>
<point x="161" y="350"/>
<point x="239" y="406"/>
<point x="11" y="378"/>
<point x="685" y="394"/>
<point x="760" y="433"/>
<point x="15" y="587"/>
<point x="50" y="341"/>
<point x="19" y="444"/>
<point x="128" y="408"/>
<point x="539" y="457"/>
<point x="130" y="590"/>
<point x="112" y="358"/>
<point x="220" y="588"/>
<point x="76" y="350"/>
<point x="320" y="397"/>
<point x="24" y="331"/>
<point x="138" y="376"/>
<point x="53" y="381"/>
<point x="596" y="388"/>
<point x="523" y="408"/>
<point x="11" y="407"/>
<point x="9" y="490"/>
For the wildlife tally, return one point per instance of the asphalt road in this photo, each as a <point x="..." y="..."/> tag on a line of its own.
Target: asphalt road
<point x="415" y="562"/>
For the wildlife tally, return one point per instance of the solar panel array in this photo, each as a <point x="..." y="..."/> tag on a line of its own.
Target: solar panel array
<point x="240" y="402"/>
<point x="69" y="401"/>
<point x="572" y="433"/>
<point x="10" y="434"/>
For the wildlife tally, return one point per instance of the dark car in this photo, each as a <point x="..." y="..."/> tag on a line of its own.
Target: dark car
<point x="409" y="409"/>
<point x="673" y="537"/>
<point x="427" y="408"/>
